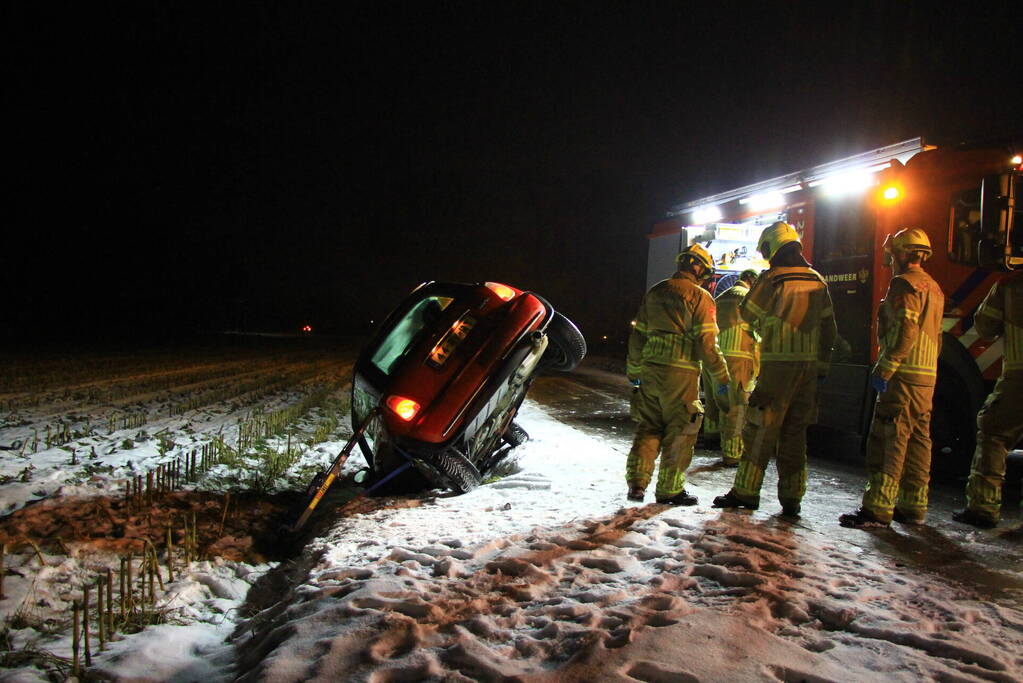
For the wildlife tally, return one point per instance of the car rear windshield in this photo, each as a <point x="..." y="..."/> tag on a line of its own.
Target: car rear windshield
<point x="415" y="324"/>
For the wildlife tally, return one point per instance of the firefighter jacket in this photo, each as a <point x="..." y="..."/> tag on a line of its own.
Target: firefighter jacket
<point x="676" y="326"/>
<point x="790" y="308"/>
<point x="909" y="328"/>
<point x="736" y="337"/>
<point x="1001" y="313"/>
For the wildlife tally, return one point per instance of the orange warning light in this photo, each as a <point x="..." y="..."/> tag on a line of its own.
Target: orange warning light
<point x="405" y="408"/>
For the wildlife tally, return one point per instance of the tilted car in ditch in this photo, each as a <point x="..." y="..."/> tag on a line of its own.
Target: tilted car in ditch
<point x="440" y="382"/>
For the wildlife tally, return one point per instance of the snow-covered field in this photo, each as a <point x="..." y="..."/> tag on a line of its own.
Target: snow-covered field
<point x="547" y="574"/>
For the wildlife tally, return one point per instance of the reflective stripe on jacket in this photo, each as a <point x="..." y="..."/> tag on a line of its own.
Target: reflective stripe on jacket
<point x="909" y="328"/>
<point x="736" y="337"/>
<point x="676" y="326"/>
<point x="1001" y="313"/>
<point x="790" y="308"/>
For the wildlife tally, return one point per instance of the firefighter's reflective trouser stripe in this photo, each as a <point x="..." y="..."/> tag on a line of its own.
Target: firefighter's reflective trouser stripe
<point x="999" y="428"/>
<point x="899" y="451"/>
<point x="670" y="414"/>
<point x="781" y="407"/>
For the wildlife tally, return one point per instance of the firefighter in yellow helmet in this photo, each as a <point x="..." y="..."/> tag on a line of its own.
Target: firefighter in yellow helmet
<point x="790" y="308"/>
<point x="740" y="347"/>
<point x="1000" y="421"/>
<point x="674" y="332"/>
<point x="909" y="339"/>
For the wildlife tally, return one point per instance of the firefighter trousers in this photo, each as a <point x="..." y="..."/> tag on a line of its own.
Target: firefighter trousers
<point x="711" y="412"/>
<point x="899" y="451"/>
<point x="669" y="413"/>
<point x="999" y="428"/>
<point x="726" y="416"/>
<point x="733" y="419"/>
<point x="781" y="407"/>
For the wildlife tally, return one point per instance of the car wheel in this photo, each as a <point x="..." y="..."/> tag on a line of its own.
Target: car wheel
<point x="460" y="475"/>
<point x="515" y="435"/>
<point x="566" y="346"/>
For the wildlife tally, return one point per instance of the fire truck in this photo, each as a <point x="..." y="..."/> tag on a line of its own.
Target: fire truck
<point x="965" y="197"/>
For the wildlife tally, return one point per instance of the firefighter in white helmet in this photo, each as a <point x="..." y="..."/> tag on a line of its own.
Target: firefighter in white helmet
<point x="675" y="331"/>
<point x="909" y="339"/>
<point x="1000" y="421"/>
<point x="790" y="308"/>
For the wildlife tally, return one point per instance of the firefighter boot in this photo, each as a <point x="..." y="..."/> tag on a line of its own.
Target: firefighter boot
<point x="861" y="519"/>
<point x="730" y="500"/>
<point x="680" y="498"/>
<point x="978" y="519"/>
<point x="907" y="517"/>
<point x="636" y="494"/>
<point x="791" y="508"/>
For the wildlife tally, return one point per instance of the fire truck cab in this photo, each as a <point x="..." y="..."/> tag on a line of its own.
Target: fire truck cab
<point x="964" y="197"/>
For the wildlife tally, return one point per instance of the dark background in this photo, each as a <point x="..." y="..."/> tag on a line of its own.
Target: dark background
<point x="177" y="169"/>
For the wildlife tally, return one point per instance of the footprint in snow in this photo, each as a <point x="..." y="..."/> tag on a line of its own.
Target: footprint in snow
<point x="655" y="672"/>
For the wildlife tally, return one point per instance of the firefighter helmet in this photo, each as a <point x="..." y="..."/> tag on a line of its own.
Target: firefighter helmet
<point x="774" y="237"/>
<point x="698" y="254"/>
<point x="909" y="240"/>
<point x="749" y="275"/>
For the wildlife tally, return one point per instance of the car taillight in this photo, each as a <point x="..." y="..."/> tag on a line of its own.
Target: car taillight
<point x="504" y="291"/>
<point x="405" y="408"/>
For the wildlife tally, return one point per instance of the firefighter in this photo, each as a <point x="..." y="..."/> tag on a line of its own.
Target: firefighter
<point x="1000" y="422"/>
<point x="674" y="331"/>
<point x="909" y="340"/>
<point x="790" y="307"/>
<point x="739" y="346"/>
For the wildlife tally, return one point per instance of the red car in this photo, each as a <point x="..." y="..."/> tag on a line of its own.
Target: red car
<point x="439" y="384"/>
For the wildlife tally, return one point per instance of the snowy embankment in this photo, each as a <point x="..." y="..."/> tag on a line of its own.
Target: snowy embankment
<point x="549" y="574"/>
<point x="545" y="575"/>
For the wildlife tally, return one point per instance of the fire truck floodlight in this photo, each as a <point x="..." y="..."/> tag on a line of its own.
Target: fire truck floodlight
<point x="764" y="201"/>
<point x="847" y="184"/>
<point x="891" y="193"/>
<point x="706" y="214"/>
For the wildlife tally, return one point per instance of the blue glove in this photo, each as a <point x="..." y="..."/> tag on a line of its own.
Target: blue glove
<point x="636" y="382"/>
<point x="722" y="391"/>
<point x="880" y="384"/>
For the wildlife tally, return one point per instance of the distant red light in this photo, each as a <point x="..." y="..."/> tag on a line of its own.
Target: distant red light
<point x="307" y="328"/>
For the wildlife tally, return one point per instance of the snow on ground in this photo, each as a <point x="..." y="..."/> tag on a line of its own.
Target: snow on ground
<point x="548" y="574"/>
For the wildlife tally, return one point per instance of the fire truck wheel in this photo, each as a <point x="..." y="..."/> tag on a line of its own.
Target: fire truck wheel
<point x="953" y="433"/>
<point x="566" y="346"/>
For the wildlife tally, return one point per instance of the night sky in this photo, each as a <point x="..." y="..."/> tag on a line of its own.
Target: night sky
<point x="181" y="169"/>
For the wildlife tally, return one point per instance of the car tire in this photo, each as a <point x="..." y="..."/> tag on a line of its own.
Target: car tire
<point x="515" y="435"/>
<point x="566" y="345"/>
<point x="460" y="475"/>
